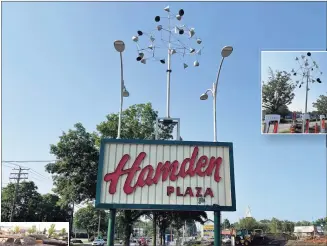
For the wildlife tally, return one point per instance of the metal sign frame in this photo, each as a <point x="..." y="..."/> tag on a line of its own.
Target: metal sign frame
<point x="214" y="207"/>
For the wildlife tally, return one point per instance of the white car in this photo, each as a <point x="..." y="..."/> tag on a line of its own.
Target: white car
<point x="226" y="240"/>
<point x="98" y="242"/>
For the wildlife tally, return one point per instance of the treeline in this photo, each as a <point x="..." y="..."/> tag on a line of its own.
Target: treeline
<point x="272" y="226"/>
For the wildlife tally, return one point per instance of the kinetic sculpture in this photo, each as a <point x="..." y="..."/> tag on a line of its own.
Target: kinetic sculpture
<point x="179" y="39"/>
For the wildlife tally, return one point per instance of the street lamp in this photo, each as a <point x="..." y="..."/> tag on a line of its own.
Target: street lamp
<point x="120" y="47"/>
<point x="225" y="52"/>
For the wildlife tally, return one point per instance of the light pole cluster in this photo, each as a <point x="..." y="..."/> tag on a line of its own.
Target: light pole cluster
<point x="307" y="72"/>
<point x="172" y="42"/>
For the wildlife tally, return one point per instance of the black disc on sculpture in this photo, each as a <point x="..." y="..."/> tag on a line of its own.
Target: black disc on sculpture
<point x="318" y="80"/>
<point x="294" y="74"/>
<point x="309" y="54"/>
<point x="162" y="61"/>
<point x="157" y="19"/>
<point x="181" y="12"/>
<point x="140" y="33"/>
<point x="181" y="32"/>
<point x="139" y="58"/>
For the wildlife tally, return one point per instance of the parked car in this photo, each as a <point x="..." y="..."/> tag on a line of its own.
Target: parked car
<point x="76" y="242"/>
<point x="226" y="240"/>
<point x="98" y="242"/>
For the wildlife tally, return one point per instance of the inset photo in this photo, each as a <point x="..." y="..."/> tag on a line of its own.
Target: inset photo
<point x="34" y="233"/>
<point x="294" y="92"/>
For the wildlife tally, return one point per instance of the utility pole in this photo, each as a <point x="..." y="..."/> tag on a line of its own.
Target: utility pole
<point x="17" y="176"/>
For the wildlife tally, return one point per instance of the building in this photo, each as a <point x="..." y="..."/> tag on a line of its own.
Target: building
<point x="207" y="231"/>
<point x="308" y="231"/>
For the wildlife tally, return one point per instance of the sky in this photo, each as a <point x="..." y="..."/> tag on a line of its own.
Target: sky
<point x="41" y="225"/>
<point x="285" y="61"/>
<point x="60" y="68"/>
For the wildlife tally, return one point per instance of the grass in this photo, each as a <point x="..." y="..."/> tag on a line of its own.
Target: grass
<point x="285" y="131"/>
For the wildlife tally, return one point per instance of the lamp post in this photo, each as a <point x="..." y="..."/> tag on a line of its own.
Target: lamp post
<point x="120" y="47"/>
<point x="225" y="52"/>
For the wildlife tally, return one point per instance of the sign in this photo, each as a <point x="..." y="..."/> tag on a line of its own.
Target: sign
<point x="208" y="230"/>
<point x="170" y="175"/>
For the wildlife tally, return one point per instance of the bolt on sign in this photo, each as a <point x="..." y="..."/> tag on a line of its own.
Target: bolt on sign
<point x="170" y="175"/>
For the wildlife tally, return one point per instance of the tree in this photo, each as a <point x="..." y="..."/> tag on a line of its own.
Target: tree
<point x="32" y="229"/>
<point x="248" y="223"/>
<point x="52" y="209"/>
<point x="16" y="229"/>
<point x="75" y="172"/>
<point x="283" y="111"/>
<point x="26" y="203"/>
<point x="31" y="205"/>
<point x="226" y="224"/>
<point x="321" y="104"/>
<point x="277" y="92"/>
<point x="87" y="218"/>
<point x="51" y="230"/>
<point x="138" y="122"/>
<point x="321" y="222"/>
<point x="63" y="232"/>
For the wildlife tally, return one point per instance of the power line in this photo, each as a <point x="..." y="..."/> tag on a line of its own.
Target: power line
<point x="19" y="176"/>
<point x="31" y="169"/>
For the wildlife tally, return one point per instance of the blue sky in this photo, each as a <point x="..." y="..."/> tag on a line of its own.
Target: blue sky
<point x="285" y="61"/>
<point x="60" y="67"/>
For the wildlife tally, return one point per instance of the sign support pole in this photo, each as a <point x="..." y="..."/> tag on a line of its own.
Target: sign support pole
<point x="111" y="228"/>
<point x="216" y="222"/>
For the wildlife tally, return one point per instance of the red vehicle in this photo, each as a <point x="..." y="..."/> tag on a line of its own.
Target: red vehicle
<point x="143" y="242"/>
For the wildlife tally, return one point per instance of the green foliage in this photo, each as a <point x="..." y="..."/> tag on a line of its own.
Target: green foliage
<point x="321" y="104"/>
<point x="51" y="230"/>
<point x="87" y="218"/>
<point x="16" y="229"/>
<point x="32" y="229"/>
<point x="63" y="232"/>
<point x="75" y="172"/>
<point x="248" y="223"/>
<point x="31" y="205"/>
<point x="226" y="224"/>
<point x="277" y="92"/>
<point x="138" y="122"/>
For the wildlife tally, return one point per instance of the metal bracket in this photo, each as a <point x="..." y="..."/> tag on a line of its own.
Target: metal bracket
<point x="168" y="121"/>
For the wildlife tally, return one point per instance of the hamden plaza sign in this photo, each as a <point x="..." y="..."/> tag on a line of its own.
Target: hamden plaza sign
<point x="169" y="175"/>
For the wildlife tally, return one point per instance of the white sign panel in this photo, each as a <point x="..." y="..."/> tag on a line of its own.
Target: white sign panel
<point x="143" y="174"/>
